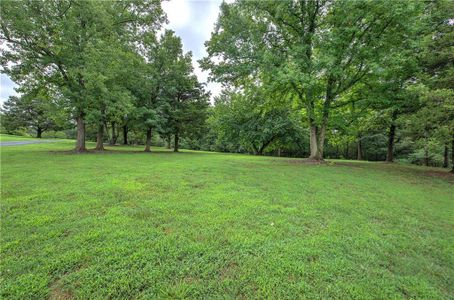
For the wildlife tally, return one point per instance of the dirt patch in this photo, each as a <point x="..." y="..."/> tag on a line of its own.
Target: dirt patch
<point x="58" y="293"/>
<point x="228" y="271"/>
<point x="167" y="230"/>
<point x="305" y="161"/>
<point x="348" y="164"/>
<point x="440" y="174"/>
<point x="399" y="169"/>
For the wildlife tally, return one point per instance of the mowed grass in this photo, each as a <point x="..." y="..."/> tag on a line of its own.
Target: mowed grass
<point x="14" y="138"/>
<point x="133" y="225"/>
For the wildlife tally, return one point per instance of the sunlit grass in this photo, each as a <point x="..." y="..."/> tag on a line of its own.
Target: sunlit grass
<point x="11" y="138"/>
<point x="210" y="225"/>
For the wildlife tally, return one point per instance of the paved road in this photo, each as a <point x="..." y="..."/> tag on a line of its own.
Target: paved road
<point x="16" y="143"/>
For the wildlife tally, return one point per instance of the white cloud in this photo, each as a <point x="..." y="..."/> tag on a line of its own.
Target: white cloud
<point x="178" y="12"/>
<point x="214" y="87"/>
<point x="6" y="88"/>
<point x="209" y="21"/>
<point x="193" y="21"/>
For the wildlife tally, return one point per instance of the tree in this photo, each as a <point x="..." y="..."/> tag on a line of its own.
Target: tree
<point x="243" y="119"/>
<point x="314" y="49"/>
<point x="109" y="87"/>
<point x="187" y="112"/>
<point x="437" y="62"/>
<point x="156" y="81"/>
<point x="34" y="110"/>
<point x="171" y="100"/>
<point x="52" y="41"/>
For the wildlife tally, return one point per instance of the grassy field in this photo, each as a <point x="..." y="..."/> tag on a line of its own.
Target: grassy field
<point x="13" y="138"/>
<point x="133" y="225"/>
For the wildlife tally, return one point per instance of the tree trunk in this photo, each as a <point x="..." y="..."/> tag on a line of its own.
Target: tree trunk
<point x="315" y="155"/>
<point x="265" y="145"/>
<point x="169" y="140"/>
<point x="318" y="134"/>
<point x="80" y="140"/>
<point x="426" y="148"/>
<point x="100" y="138"/>
<point x="125" y="134"/>
<point x="39" y="132"/>
<point x="113" y="141"/>
<point x="175" y="143"/>
<point x="347" y="150"/>
<point x="321" y="143"/>
<point x="446" y="156"/>
<point x="256" y="150"/>
<point x="317" y="138"/>
<point x="391" y="135"/>
<point x="426" y="156"/>
<point x="359" y="155"/>
<point x="148" y="142"/>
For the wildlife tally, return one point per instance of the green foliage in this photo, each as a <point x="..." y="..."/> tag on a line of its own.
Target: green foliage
<point x="315" y="50"/>
<point x="243" y="123"/>
<point x="75" y="47"/>
<point x="35" y="111"/>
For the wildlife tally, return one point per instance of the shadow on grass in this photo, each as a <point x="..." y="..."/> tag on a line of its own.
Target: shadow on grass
<point x="401" y="169"/>
<point x="396" y="168"/>
<point x="109" y="151"/>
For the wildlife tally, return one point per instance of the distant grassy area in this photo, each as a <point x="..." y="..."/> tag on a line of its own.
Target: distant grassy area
<point x="12" y="138"/>
<point x="133" y="225"/>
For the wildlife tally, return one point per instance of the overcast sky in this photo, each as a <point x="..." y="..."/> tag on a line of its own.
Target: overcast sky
<point x="192" y="20"/>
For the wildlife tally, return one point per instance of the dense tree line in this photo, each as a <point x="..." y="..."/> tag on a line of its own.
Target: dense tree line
<point x="105" y="63"/>
<point x="318" y="78"/>
<point x="370" y="75"/>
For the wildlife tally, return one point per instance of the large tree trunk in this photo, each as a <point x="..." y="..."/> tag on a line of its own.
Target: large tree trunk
<point x="446" y="156"/>
<point x="175" y="142"/>
<point x="317" y="141"/>
<point x="148" y="141"/>
<point x="125" y="134"/>
<point x="317" y="138"/>
<point x="39" y="132"/>
<point x="100" y="138"/>
<point x="315" y="155"/>
<point x="391" y="135"/>
<point x="359" y="155"/>
<point x="80" y="140"/>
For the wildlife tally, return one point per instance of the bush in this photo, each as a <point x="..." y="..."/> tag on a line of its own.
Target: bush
<point x="54" y="134"/>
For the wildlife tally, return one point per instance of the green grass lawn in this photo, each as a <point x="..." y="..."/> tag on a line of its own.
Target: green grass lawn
<point x="136" y="225"/>
<point x="13" y="138"/>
